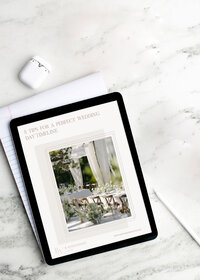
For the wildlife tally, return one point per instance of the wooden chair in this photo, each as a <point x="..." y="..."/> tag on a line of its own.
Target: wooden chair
<point x="83" y="201"/>
<point x="75" y="202"/>
<point x="124" y="202"/>
<point x="111" y="202"/>
<point x="78" y="202"/>
<point x="97" y="200"/>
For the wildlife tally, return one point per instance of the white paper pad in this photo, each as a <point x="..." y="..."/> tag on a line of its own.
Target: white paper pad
<point x="84" y="88"/>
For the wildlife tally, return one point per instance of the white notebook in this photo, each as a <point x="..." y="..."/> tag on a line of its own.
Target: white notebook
<point x="84" y="88"/>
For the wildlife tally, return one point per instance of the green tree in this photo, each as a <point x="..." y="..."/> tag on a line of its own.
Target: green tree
<point x="61" y="162"/>
<point x="87" y="174"/>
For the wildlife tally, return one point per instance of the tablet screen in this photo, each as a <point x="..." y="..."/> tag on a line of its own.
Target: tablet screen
<point x="84" y="178"/>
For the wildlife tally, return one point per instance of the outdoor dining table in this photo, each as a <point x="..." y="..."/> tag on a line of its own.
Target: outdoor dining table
<point x="79" y="195"/>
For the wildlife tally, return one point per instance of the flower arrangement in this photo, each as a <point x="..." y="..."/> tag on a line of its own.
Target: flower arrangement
<point x="127" y="209"/>
<point x="69" y="189"/>
<point x="69" y="210"/>
<point x="109" y="188"/>
<point x="62" y="190"/>
<point x="93" y="213"/>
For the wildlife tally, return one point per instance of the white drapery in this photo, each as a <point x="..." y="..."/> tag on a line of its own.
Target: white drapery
<point x="76" y="173"/>
<point x="103" y="159"/>
<point x="111" y="153"/>
<point x="94" y="165"/>
<point x="99" y="156"/>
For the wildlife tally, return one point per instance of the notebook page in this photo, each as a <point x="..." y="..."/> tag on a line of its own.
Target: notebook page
<point x="11" y="155"/>
<point x="84" y="88"/>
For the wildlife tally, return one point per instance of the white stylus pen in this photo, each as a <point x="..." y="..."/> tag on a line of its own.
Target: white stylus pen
<point x="177" y="216"/>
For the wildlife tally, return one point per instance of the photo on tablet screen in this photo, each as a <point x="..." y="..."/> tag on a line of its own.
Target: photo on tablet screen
<point x="90" y="184"/>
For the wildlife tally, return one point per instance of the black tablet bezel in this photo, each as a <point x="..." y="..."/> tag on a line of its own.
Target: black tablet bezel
<point x="15" y="123"/>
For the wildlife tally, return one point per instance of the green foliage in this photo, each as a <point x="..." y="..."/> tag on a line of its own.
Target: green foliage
<point x="87" y="174"/>
<point x="127" y="209"/>
<point x="63" y="177"/>
<point x="69" y="210"/>
<point x="71" y="188"/>
<point x="62" y="190"/>
<point x="116" y="177"/>
<point x="61" y="158"/>
<point x="107" y="188"/>
<point x="81" y="213"/>
<point x="61" y="162"/>
<point x="93" y="213"/>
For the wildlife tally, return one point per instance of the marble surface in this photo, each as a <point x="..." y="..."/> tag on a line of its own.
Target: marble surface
<point x="148" y="50"/>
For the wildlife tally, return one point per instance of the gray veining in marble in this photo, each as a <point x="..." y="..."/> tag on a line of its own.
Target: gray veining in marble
<point x="150" y="51"/>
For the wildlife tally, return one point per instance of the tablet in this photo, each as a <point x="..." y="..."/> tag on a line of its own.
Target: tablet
<point x="83" y="178"/>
